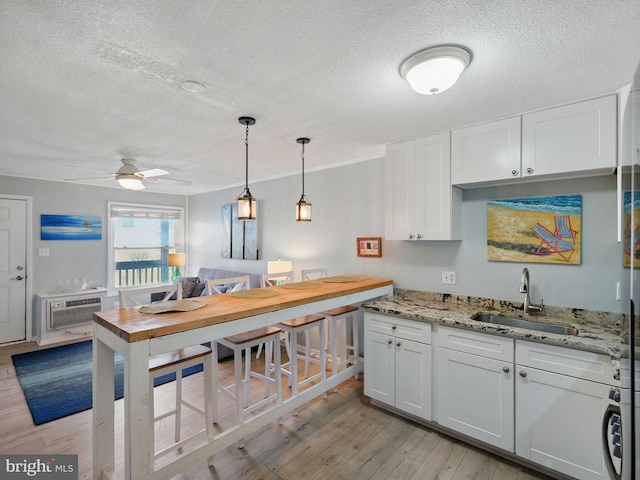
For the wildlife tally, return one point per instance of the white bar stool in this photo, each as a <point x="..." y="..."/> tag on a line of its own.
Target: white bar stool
<point x="292" y="328"/>
<point x="239" y="391"/>
<point x="174" y="362"/>
<point x="342" y="353"/>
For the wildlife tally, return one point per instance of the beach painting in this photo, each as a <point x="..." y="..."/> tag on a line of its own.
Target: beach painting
<point x="70" y="227"/>
<point x="631" y="233"/>
<point x="535" y="230"/>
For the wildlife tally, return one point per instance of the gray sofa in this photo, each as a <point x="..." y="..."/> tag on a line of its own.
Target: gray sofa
<point x="216" y="273"/>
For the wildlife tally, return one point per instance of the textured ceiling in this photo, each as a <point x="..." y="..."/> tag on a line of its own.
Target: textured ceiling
<point x="86" y="83"/>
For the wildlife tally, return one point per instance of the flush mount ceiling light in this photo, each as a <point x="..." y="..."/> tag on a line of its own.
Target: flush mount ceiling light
<point x="436" y="69"/>
<point x="192" y="86"/>
<point x="303" y="207"/>
<point x="246" y="202"/>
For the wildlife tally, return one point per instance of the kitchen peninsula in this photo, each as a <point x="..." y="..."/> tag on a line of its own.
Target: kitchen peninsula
<point x="138" y="336"/>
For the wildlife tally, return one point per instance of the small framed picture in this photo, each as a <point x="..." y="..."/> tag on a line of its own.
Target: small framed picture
<point x="369" y="246"/>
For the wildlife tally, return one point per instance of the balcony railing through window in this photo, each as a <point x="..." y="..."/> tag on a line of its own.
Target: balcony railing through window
<point x="141" y="272"/>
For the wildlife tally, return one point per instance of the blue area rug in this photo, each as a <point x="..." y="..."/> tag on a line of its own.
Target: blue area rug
<point x="57" y="381"/>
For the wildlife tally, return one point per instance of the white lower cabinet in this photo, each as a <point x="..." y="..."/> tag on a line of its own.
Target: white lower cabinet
<point x="475" y="385"/>
<point x="559" y="408"/>
<point x="397" y="365"/>
<point x="545" y="403"/>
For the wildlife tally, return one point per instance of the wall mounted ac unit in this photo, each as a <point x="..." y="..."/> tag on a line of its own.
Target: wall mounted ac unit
<point x="64" y="316"/>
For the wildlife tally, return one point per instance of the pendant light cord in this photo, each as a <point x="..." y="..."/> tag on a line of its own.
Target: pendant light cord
<point x="302" y="155"/>
<point x="246" y="156"/>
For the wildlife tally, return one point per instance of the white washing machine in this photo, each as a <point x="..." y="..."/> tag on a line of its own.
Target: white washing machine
<point x="622" y="439"/>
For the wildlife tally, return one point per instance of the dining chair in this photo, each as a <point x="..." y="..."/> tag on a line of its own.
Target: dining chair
<point x="271" y="279"/>
<point x="313" y="273"/>
<point x="224" y="285"/>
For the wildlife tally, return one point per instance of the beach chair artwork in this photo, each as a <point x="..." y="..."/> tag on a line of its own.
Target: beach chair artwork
<point x="552" y="242"/>
<point x="535" y="229"/>
<point x="631" y="229"/>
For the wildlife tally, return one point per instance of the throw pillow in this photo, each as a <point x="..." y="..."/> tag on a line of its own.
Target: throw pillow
<point x="188" y="284"/>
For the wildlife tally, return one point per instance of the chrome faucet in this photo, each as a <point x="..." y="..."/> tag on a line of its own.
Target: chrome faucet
<point x="524" y="288"/>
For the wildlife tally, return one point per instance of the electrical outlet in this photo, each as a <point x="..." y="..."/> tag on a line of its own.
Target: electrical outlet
<point x="449" y="278"/>
<point x="43" y="252"/>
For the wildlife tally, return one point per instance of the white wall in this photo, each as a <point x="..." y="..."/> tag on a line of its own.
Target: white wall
<point x="348" y="202"/>
<point x="69" y="259"/>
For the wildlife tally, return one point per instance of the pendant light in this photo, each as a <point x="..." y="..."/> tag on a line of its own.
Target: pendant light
<point x="303" y="207"/>
<point x="246" y="202"/>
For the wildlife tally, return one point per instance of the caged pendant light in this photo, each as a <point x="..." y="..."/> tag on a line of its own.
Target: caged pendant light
<point x="303" y="207"/>
<point x="246" y="203"/>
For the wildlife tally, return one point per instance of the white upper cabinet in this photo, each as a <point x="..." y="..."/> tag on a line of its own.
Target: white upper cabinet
<point x="421" y="204"/>
<point x="580" y="137"/>
<point x="486" y="152"/>
<point x="572" y="140"/>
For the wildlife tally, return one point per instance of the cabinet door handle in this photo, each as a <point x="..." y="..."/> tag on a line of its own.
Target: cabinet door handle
<point x="529" y="170"/>
<point x="411" y="236"/>
<point x="398" y="344"/>
<point x="505" y="369"/>
<point x="393" y="327"/>
<point x="523" y="373"/>
<point x="514" y="172"/>
<point x="389" y="341"/>
<point x="419" y="236"/>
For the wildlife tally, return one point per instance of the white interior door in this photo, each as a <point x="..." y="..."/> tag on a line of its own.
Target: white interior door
<point x="13" y="270"/>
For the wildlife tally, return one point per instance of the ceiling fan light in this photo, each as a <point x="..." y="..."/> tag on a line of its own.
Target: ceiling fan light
<point x="435" y="70"/>
<point x="129" y="181"/>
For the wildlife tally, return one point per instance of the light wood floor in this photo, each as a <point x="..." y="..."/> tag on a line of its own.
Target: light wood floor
<point x="340" y="438"/>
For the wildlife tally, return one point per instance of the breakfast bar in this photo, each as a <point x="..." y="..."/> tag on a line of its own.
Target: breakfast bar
<point x="138" y="336"/>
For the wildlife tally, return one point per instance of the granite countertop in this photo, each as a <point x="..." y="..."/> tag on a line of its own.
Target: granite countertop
<point x="598" y="331"/>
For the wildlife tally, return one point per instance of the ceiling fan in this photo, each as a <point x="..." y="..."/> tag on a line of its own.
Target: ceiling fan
<point x="130" y="176"/>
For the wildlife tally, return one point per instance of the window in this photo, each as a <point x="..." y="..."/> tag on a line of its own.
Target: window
<point x="140" y="239"/>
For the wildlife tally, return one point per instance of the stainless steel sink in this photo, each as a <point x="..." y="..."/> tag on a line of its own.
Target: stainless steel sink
<point x="524" y="323"/>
